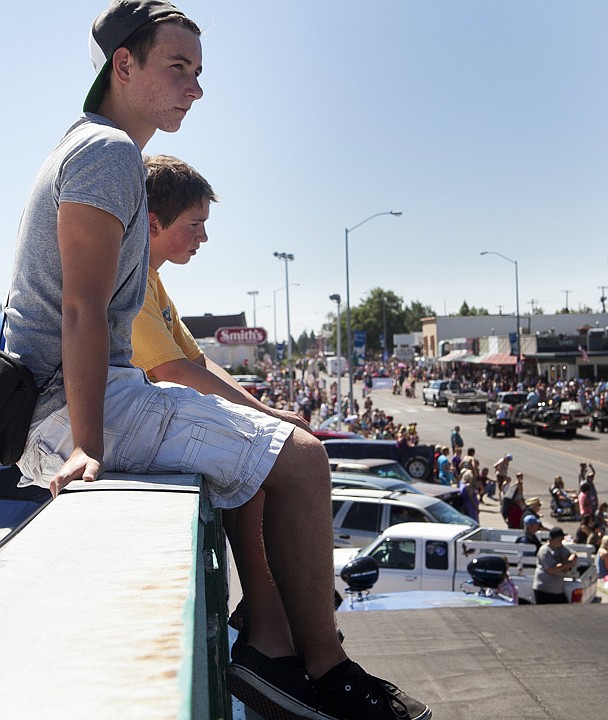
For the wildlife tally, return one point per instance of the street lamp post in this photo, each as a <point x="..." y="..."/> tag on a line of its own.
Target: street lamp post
<point x="254" y="294"/>
<point x="513" y="262"/>
<point x="336" y="298"/>
<point x="286" y="257"/>
<point x="384" y="339"/>
<point x="274" y="315"/>
<point x="349" y="340"/>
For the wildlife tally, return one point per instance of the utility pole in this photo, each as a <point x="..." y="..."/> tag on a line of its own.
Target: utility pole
<point x="254" y="294"/>
<point x="567" y="293"/>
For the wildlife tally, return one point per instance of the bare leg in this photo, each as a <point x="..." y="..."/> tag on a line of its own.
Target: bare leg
<point x="298" y="537"/>
<point x="298" y="534"/>
<point x="268" y="629"/>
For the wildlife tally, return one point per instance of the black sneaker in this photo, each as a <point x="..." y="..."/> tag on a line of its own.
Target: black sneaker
<point x="239" y="646"/>
<point x="276" y="688"/>
<point x="239" y="619"/>
<point x="347" y="692"/>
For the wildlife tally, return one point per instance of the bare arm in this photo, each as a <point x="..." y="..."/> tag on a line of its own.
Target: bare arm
<point x="89" y="243"/>
<point x="208" y="377"/>
<point x="563" y="566"/>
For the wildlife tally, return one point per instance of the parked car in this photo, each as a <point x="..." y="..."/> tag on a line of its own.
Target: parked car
<point x="328" y="429"/>
<point x="370" y="470"/>
<point x="434" y="391"/>
<point x="327" y="434"/>
<point x="253" y="384"/>
<point x="417" y="460"/>
<point x="358" y="481"/>
<point x="361" y="515"/>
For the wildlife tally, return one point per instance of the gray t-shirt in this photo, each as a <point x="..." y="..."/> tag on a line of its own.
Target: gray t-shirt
<point x="95" y="164"/>
<point x="549" y="557"/>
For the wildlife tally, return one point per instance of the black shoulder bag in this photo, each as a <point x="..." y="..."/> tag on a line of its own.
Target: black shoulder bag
<point x="18" y="394"/>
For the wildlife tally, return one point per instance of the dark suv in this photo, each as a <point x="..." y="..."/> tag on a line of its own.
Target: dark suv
<point x="417" y="460"/>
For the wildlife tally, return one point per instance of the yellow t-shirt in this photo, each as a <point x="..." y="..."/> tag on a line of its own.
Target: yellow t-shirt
<point x="158" y="333"/>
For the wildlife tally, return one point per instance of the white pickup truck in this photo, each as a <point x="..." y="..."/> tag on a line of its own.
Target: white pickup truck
<point x="434" y="556"/>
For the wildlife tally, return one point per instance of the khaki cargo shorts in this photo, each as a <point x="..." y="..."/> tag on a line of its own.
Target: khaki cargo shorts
<point x="166" y="428"/>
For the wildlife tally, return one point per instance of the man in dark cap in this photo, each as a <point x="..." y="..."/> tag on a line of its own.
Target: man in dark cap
<point x="553" y="563"/>
<point x="531" y="526"/>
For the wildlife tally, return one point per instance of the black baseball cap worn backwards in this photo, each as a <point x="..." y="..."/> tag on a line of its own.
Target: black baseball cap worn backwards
<point x="111" y="29"/>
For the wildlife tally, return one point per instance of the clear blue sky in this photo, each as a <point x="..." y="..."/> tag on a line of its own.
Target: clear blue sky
<point x="484" y="122"/>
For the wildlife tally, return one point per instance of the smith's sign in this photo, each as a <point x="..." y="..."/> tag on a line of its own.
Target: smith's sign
<point x="241" y="336"/>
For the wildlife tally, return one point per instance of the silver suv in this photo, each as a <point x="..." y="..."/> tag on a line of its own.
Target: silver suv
<point x="361" y="515"/>
<point x="434" y="391"/>
<point x="369" y="469"/>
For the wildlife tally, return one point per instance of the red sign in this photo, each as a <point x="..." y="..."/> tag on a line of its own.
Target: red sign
<point x="241" y="336"/>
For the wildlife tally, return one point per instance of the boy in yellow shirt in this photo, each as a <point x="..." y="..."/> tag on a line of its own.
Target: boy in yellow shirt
<point x="160" y="339"/>
<point x="264" y="666"/>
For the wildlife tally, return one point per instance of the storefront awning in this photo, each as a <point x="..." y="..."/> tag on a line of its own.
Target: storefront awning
<point x="459" y="355"/>
<point x="499" y="358"/>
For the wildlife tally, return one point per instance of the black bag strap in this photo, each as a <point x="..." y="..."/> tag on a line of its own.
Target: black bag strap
<point x="2" y="338"/>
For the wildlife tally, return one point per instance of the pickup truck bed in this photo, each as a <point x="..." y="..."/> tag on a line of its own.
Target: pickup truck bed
<point x="466" y="400"/>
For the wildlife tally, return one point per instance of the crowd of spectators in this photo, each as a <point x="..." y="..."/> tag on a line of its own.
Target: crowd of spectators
<point x="316" y="399"/>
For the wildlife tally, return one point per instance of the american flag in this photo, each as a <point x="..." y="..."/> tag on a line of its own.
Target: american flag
<point x="583" y="353"/>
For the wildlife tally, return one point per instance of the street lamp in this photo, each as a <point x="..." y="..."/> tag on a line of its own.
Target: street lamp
<point x="254" y="294"/>
<point x="384" y="339"/>
<point x="514" y="262"/>
<point x="274" y="314"/>
<point x="286" y="257"/>
<point x="336" y="298"/>
<point x="349" y="340"/>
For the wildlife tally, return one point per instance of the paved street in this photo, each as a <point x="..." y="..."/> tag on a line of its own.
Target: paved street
<point x="530" y="662"/>
<point x="539" y="458"/>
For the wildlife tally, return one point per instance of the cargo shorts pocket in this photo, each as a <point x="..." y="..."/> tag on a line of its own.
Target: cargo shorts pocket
<point x="143" y="434"/>
<point x="220" y="456"/>
<point x="39" y="463"/>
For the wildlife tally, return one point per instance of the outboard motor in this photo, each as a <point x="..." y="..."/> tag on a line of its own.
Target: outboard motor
<point x="360" y="574"/>
<point x="488" y="572"/>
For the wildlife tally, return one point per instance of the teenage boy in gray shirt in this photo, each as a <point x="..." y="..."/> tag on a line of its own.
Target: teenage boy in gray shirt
<point x="78" y="282"/>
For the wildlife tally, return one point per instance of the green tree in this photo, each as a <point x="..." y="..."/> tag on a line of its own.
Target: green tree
<point x="370" y="316"/>
<point x="467" y="310"/>
<point x="414" y="312"/>
<point x="329" y="328"/>
<point x="581" y="310"/>
<point x="306" y="342"/>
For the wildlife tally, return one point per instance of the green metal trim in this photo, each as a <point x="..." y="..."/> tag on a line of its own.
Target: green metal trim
<point x="186" y="667"/>
<point x="210" y="697"/>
